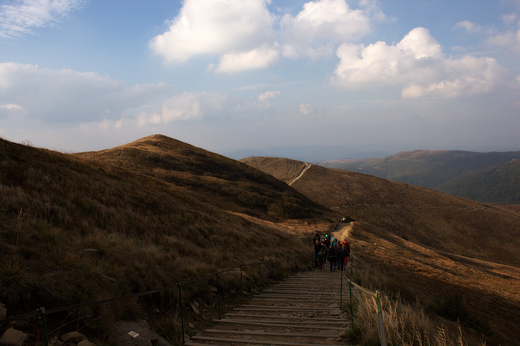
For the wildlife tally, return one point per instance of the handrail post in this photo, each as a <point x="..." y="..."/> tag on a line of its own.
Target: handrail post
<point x="241" y="286"/>
<point x="382" y="335"/>
<point x="351" y="302"/>
<point x="218" y="296"/>
<point x="341" y="291"/>
<point x="44" y="325"/>
<point x="180" y="308"/>
<point x="259" y="264"/>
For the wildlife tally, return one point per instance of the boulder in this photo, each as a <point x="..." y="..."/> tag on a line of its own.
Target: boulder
<point x="3" y="312"/>
<point x="73" y="337"/>
<point x="13" y="337"/>
<point x="138" y="334"/>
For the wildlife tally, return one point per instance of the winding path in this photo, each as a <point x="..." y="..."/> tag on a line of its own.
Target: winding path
<point x="307" y="166"/>
<point x="301" y="311"/>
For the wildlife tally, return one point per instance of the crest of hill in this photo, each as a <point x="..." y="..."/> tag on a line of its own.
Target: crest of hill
<point x="439" y="170"/>
<point x="445" y="251"/>
<point x="78" y="230"/>
<point x="217" y="179"/>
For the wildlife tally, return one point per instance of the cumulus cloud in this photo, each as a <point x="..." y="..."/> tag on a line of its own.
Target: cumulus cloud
<point x="188" y="106"/>
<point x="18" y="18"/>
<point x="243" y="32"/>
<point x="268" y="95"/>
<point x="305" y="108"/>
<point x="418" y="65"/>
<point x="69" y="96"/>
<point x="253" y="59"/>
<point x="215" y="27"/>
<point x="508" y="39"/>
<point x="468" y="26"/>
<point x="321" y="24"/>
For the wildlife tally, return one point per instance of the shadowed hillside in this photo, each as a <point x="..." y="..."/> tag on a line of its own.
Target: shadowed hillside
<point x="76" y="230"/>
<point x="445" y="171"/>
<point x="426" y="244"/>
<point x="221" y="181"/>
<point x="496" y="185"/>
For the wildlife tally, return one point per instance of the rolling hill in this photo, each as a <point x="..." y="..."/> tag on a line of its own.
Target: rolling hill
<point x="77" y="229"/>
<point x="447" y="171"/>
<point x="425" y="244"/>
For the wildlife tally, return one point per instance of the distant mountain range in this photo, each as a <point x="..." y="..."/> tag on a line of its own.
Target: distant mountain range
<point x="484" y="177"/>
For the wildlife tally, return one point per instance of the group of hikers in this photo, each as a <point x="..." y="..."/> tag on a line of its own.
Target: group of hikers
<point x="335" y="252"/>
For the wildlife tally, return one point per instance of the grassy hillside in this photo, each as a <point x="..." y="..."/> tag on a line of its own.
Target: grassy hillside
<point x="78" y="230"/>
<point x="426" y="245"/>
<point x="434" y="169"/>
<point x="221" y="181"/>
<point x="495" y="185"/>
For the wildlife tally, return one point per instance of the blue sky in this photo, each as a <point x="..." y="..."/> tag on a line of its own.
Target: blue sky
<point x="282" y="77"/>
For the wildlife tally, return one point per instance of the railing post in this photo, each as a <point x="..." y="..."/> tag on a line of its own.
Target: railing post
<point x="241" y="286"/>
<point x="180" y="308"/>
<point x="351" y="303"/>
<point x="341" y="291"/>
<point x="218" y="297"/>
<point x="382" y="335"/>
<point x="44" y="325"/>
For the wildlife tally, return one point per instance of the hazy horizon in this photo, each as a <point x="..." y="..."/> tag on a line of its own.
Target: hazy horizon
<point x="369" y="76"/>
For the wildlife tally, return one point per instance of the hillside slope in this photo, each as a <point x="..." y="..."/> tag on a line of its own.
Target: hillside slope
<point x="427" y="244"/>
<point x="433" y="169"/>
<point x="221" y="181"/>
<point x="76" y="230"/>
<point x="494" y="185"/>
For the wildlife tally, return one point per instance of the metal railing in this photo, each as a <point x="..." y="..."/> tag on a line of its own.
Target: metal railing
<point x="43" y="312"/>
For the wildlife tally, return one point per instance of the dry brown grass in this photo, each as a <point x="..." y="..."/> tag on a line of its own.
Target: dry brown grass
<point x="78" y="230"/>
<point x="458" y="258"/>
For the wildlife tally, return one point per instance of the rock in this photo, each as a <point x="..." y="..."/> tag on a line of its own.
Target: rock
<point x="196" y="304"/>
<point x="20" y="324"/>
<point x="343" y="334"/>
<point x="85" y="343"/>
<point x="73" y="337"/>
<point x="191" y="325"/>
<point x="3" y="312"/>
<point x="195" y="310"/>
<point x="337" y="340"/>
<point x="13" y="337"/>
<point x="144" y="335"/>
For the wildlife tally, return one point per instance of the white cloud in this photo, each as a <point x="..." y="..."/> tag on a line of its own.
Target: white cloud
<point x="468" y="26"/>
<point x="243" y="32"/>
<point x="418" y="65"/>
<point x="11" y="107"/>
<point x="253" y="59"/>
<point x="268" y="95"/>
<point x="69" y="96"/>
<point x="305" y="108"/>
<point x="509" y="18"/>
<point x="188" y="106"/>
<point x="319" y="25"/>
<point x="215" y="27"/>
<point x="18" y="18"/>
<point x="508" y="39"/>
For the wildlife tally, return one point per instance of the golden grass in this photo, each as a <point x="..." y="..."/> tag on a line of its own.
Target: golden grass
<point x="76" y="230"/>
<point x="457" y="258"/>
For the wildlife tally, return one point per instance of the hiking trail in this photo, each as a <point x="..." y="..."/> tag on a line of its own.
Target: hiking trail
<point x="303" y="310"/>
<point x="307" y="166"/>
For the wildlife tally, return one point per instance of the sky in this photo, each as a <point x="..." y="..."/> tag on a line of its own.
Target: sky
<point x="311" y="80"/>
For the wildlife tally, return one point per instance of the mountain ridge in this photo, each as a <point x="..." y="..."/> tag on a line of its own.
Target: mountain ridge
<point x="448" y="171"/>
